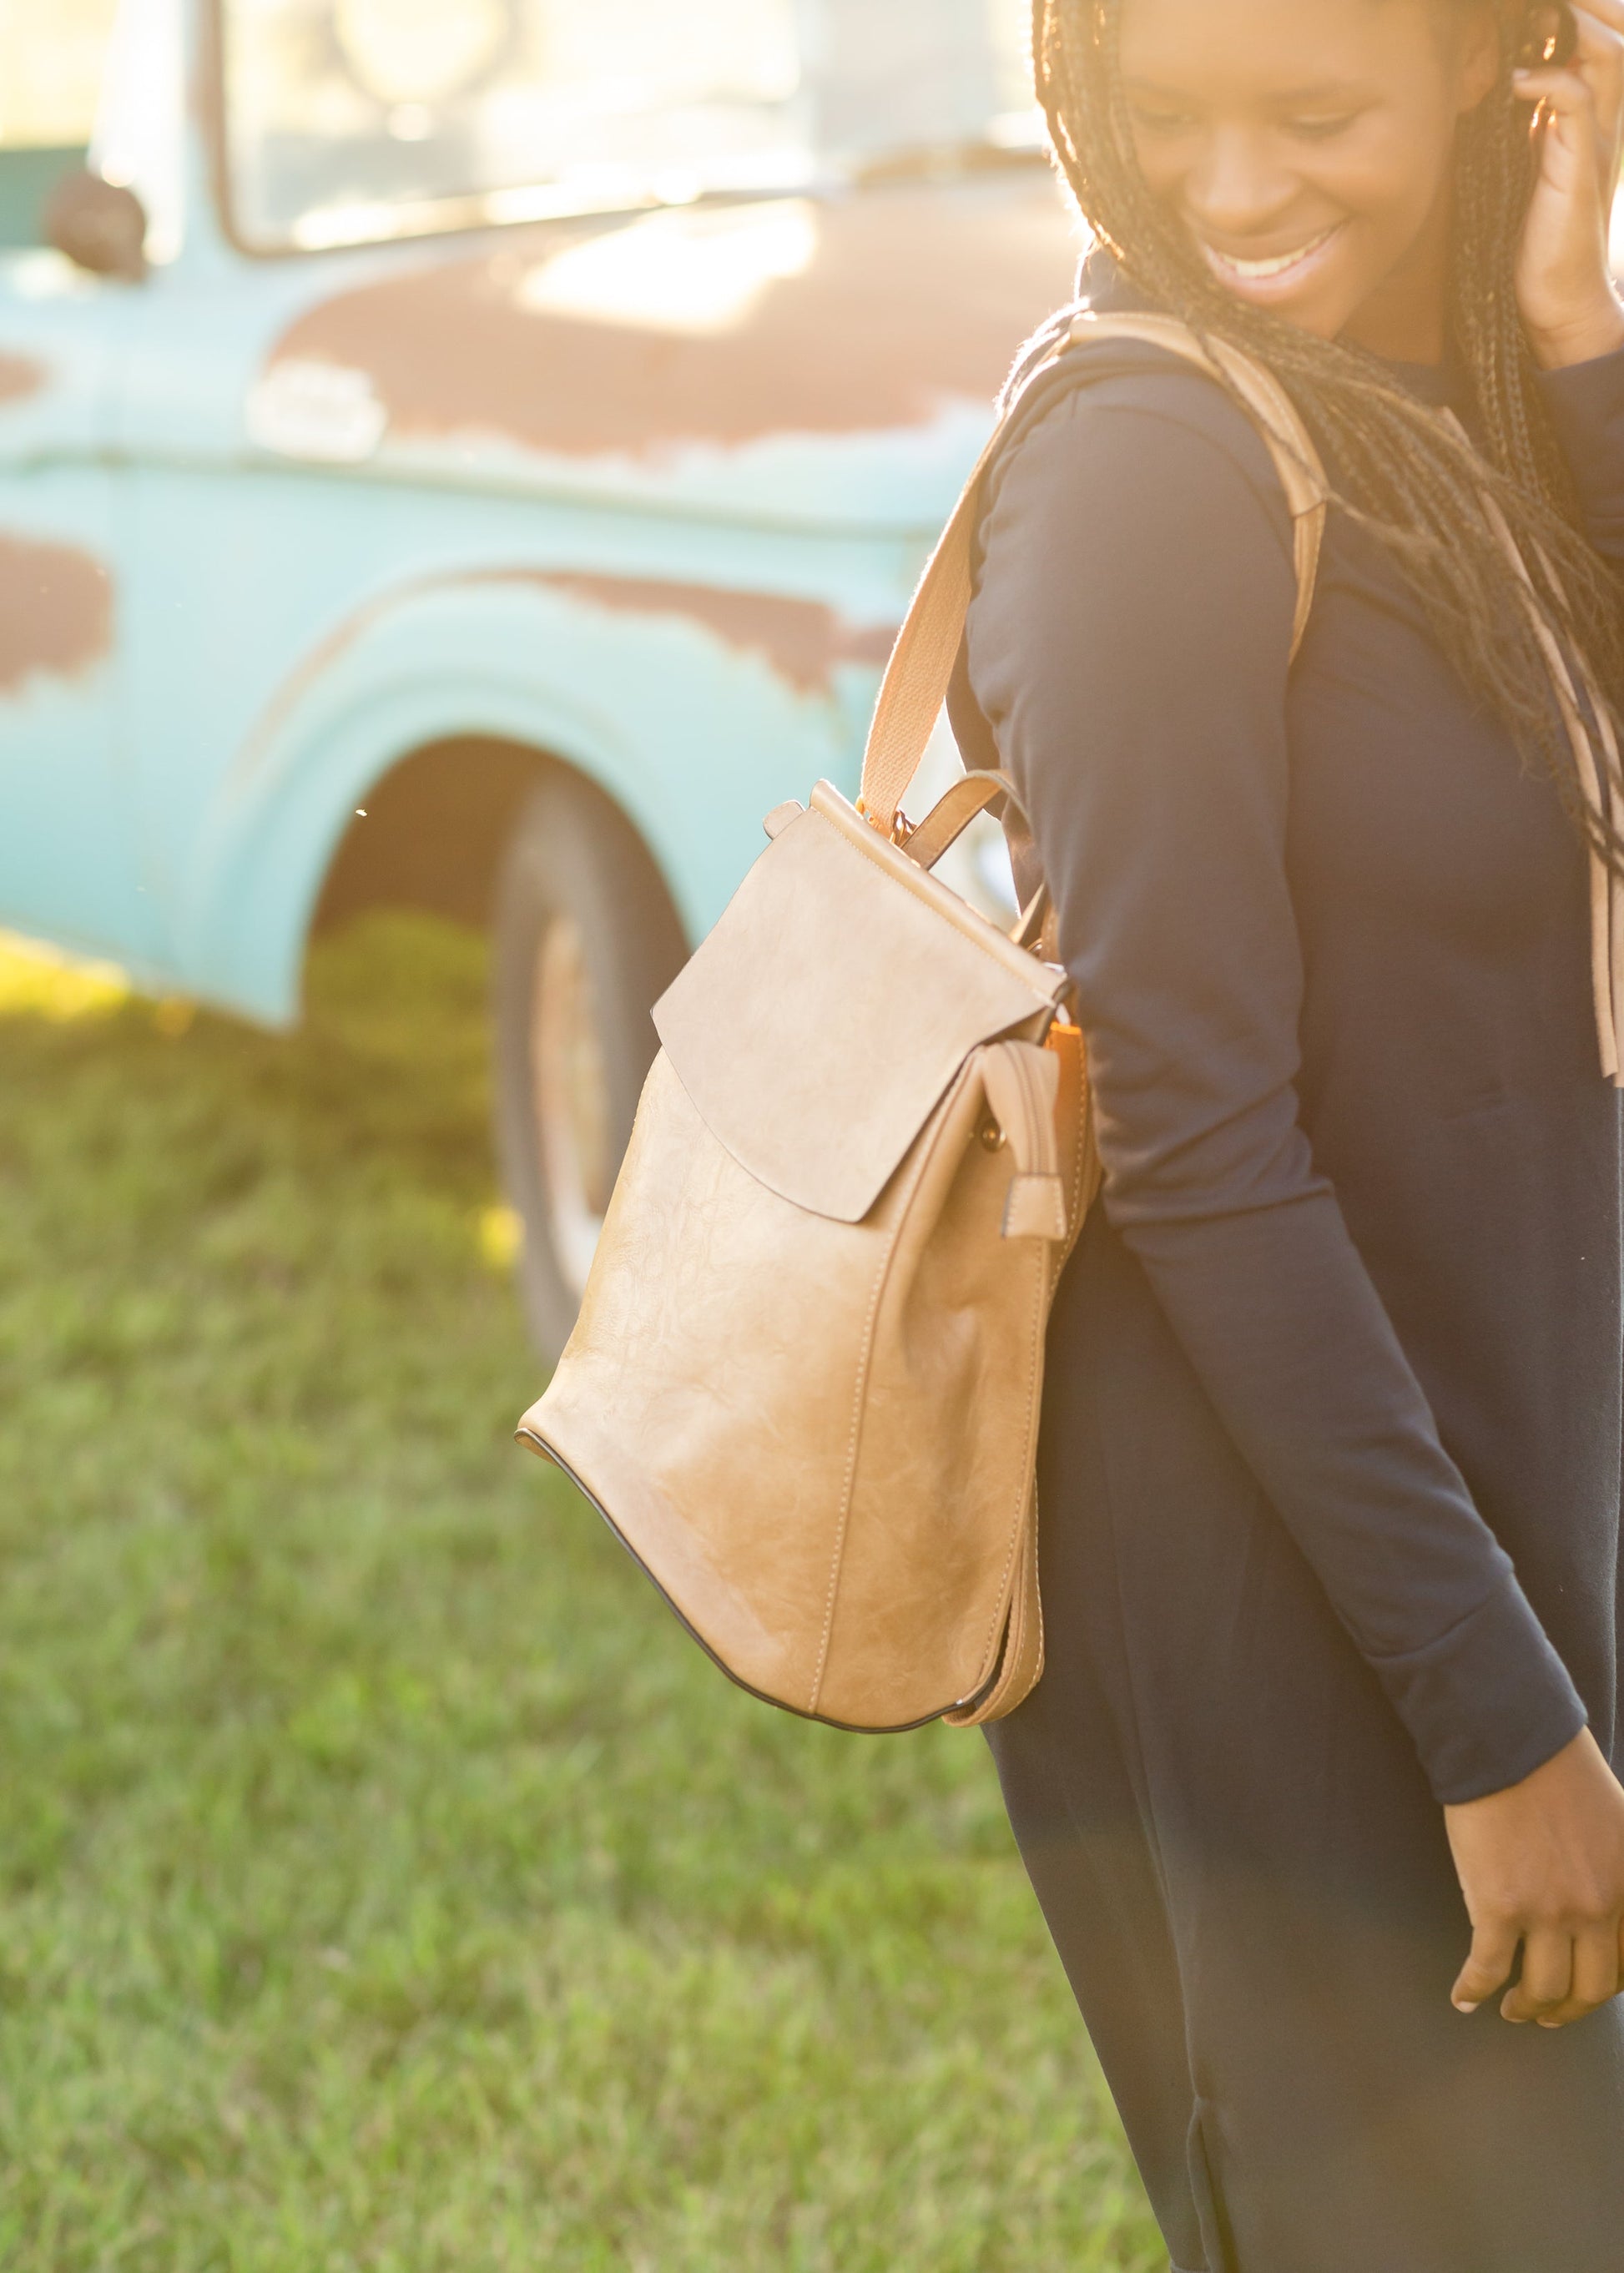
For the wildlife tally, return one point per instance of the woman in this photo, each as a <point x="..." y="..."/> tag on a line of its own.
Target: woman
<point x="1331" y="1463"/>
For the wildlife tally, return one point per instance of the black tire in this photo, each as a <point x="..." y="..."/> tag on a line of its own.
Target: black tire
<point x="586" y="941"/>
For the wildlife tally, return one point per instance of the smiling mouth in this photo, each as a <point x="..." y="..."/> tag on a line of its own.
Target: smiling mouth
<point x="1281" y="268"/>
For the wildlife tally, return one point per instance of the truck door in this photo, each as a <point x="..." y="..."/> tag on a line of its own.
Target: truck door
<point x="69" y="867"/>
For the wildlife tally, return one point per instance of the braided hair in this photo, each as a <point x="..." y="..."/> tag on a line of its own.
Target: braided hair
<point x="1414" y="479"/>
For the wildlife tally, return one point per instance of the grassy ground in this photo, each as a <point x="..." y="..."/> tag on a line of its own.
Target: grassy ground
<point x="385" y="1881"/>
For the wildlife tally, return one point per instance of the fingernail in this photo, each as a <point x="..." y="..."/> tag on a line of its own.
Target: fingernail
<point x="1550" y="2024"/>
<point x="1461" y="2004"/>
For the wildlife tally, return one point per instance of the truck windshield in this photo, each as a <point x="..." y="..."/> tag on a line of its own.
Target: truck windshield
<point x="52" y="59"/>
<point x="352" y="121"/>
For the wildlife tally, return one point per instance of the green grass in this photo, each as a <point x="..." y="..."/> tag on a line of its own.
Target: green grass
<point x="385" y="1881"/>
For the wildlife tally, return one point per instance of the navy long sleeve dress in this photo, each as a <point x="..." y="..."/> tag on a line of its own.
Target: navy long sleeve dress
<point x="1330" y="1468"/>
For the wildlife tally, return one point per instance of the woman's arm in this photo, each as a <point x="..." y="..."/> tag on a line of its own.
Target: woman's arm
<point x="1128" y="642"/>
<point x="1569" y="303"/>
<point x="1586" y="402"/>
<point x="1568" y="298"/>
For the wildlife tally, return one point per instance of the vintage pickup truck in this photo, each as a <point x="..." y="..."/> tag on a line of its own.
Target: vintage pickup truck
<point x="477" y="453"/>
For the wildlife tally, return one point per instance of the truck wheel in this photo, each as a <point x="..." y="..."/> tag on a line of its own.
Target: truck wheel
<point x="586" y="941"/>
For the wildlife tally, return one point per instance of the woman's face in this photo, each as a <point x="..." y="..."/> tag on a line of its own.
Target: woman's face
<point x="1306" y="146"/>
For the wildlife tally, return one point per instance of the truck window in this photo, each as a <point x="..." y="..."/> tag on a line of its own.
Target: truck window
<point x="352" y="121"/>
<point x="53" y="54"/>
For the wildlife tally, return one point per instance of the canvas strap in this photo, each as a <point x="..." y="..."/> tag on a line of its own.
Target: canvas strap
<point x="921" y="663"/>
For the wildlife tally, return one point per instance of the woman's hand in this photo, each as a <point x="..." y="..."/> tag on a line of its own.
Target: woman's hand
<point x="1570" y="306"/>
<point x="1543" y="1863"/>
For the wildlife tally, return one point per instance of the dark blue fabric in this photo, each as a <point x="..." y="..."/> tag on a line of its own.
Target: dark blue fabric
<point x="1330" y="1475"/>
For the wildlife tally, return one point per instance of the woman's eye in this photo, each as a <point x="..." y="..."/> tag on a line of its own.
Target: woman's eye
<point x="1320" y="129"/>
<point x="1160" y="122"/>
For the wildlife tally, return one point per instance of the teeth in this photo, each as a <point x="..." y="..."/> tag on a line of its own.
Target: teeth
<point x="1275" y="267"/>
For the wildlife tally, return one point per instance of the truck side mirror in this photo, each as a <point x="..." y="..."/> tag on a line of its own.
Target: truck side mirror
<point x="99" y="225"/>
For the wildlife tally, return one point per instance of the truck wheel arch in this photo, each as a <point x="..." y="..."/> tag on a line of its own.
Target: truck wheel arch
<point x="438" y="705"/>
<point x="431" y="831"/>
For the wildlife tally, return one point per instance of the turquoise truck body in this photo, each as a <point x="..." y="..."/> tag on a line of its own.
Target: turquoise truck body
<point x="640" y="495"/>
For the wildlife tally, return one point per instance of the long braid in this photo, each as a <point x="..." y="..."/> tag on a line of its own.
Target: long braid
<point x="1410" y="476"/>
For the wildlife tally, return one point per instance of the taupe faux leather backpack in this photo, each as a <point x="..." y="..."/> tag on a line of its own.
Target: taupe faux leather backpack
<point x="805" y="1384"/>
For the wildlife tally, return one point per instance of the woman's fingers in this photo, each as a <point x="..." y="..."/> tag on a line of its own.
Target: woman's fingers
<point x="1571" y="151"/>
<point x="1488" y="1965"/>
<point x="1596" y="1975"/>
<point x="1565" y="290"/>
<point x="1564" y="1976"/>
<point x="1543" y="1860"/>
<point x="1599" y="60"/>
<point x="1566" y="96"/>
<point x="1600" y="26"/>
<point x="1546" y="1980"/>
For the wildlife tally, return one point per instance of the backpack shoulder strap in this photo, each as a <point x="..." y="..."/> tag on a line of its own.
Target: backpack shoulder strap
<point x="921" y="664"/>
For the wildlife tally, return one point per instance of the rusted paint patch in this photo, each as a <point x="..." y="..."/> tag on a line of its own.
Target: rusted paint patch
<point x="802" y="640"/>
<point x="901" y="301"/>
<point x="19" y="378"/>
<point x="55" y="611"/>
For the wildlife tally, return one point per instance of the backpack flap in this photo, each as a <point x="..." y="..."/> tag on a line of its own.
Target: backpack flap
<point x="820" y="1024"/>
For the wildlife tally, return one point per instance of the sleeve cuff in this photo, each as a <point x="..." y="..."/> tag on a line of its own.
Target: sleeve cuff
<point x="1586" y="403"/>
<point x="1488" y="1702"/>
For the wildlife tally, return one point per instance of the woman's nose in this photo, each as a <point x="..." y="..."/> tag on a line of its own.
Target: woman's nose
<point x="1238" y="187"/>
